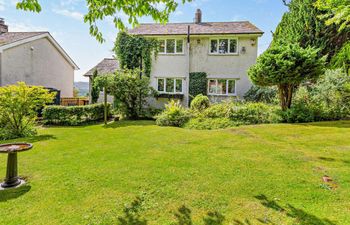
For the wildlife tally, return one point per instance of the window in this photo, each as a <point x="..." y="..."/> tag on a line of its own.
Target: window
<point x="223" y="46"/>
<point x="171" y="46"/>
<point x="221" y="86"/>
<point x="169" y="85"/>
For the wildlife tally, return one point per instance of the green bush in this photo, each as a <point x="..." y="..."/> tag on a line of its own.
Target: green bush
<point x="74" y="115"/>
<point x="218" y="110"/>
<point x="198" y="84"/>
<point x="173" y="115"/>
<point x="200" y="103"/>
<point x="253" y="113"/>
<point x="203" y="123"/>
<point x="262" y="94"/>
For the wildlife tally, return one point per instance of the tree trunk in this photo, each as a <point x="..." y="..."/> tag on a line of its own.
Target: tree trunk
<point x="286" y="95"/>
<point x="105" y="105"/>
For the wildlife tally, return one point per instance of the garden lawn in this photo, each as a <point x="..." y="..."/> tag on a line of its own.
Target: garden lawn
<point x="268" y="174"/>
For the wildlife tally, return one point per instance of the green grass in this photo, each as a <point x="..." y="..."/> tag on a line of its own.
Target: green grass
<point x="268" y="174"/>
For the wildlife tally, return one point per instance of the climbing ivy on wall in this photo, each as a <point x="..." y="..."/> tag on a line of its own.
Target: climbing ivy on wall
<point x="135" y="52"/>
<point x="198" y="84"/>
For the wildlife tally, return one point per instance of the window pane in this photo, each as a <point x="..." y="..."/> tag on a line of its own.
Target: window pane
<point x="162" y="46"/>
<point x="161" y="85"/>
<point x="233" y="46"/>
<point x="170" y="46"/>
<point x="178" y="85"/>
<point x="212" y="86"/>
<point x="223" y="46"/>
<point x="221" y="87"/>
<point x="179" y="46"/>
<point x="214" y="46"/>
<point x="170" y="85"/>
<point x="232" y="87"/>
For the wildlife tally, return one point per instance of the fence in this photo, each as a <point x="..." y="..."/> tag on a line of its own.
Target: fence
<point x="74" y="101"/>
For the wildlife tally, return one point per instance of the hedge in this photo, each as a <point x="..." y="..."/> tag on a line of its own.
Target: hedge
<point x="73" y="115"/>
<point x="198" y="84"/>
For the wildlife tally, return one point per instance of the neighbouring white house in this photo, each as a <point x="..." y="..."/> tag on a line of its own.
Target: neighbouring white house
<point x="36" y="59"/>
<point x="223" y="50"/>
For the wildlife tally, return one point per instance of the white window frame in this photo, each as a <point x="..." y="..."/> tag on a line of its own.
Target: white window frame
<point x="175" y="46"/>
<point x="174" y="88"/>
<point x="216" y="84"/>
<point x="228" y="47"/>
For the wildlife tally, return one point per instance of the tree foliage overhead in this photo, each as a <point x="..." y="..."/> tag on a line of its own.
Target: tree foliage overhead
<point x="135" y="52"/>
<point x="302" y="25"/>
<point x="286" y="66"/>
<point x="335" y="12"/>
<point x="98" y="10"/>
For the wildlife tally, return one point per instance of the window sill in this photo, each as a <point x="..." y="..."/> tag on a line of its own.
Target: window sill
<point x="226" y="54"/>
<point x="171" y="54"/>
<point x="219" y="95"/>
<point x="170" y="96"/>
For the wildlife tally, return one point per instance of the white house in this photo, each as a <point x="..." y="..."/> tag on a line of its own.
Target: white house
<point x="223" y="50"/>
<point x="36" y="59"/>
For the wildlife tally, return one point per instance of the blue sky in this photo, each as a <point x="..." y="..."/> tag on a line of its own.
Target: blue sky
<point x="63" y="19"/>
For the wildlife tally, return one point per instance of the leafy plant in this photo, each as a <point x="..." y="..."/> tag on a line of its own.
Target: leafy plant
<point x="173" y="115"/>
<point x="198" y="84"/>
<point x="95" y="89"/>
<point x="135" y="52"/>
<point x="286" y="66"/>
<point x="19" y="106"/>
<point x="204" y="123"/>
<point x="74" y="115"/>
<point x="200" y="103"/>
<point x="261" y="94"/>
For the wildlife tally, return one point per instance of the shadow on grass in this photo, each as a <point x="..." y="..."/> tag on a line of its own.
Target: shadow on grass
<point x="183" y="217"/>
<point x="13" y="193"/>
<point x="335" y="124"/>
<point x="130" y="123"/>
<point x="300" y="216"/>
<point x="33" y="139"/>
<point x="329" y="159"/>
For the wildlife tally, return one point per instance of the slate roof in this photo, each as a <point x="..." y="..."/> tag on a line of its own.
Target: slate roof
<point x="210" y="28"/>
<point x="107" y="65"/>
<point x="11" y="37"/>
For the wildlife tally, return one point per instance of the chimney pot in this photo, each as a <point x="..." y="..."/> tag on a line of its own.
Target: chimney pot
<point x="3" y="26"/>
<point x="198" y="16"/>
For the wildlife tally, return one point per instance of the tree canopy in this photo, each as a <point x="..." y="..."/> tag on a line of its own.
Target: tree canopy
<point x="335" y="12"/>
<point x="98" y="10"/>
<point x="286" y="66"/>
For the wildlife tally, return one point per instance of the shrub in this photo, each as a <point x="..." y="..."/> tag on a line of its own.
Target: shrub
<point x="173" y="115"/>
<point x="200" y="103"/>
<point x="19" y="106"/>
<point x="253" y="113"/>
<point x="203" y="123"/>
<point x="74" y="115"/>
<point x="218" y="110"/>
<point x="262" y="94"/>
<point x="198" y="84"/>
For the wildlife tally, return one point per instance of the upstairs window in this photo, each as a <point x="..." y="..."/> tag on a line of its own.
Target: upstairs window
<point x="171" y="46"/>
<point x="223" y="46"/>
<point x="221" y="87"/>
<point x="170" y="85"/>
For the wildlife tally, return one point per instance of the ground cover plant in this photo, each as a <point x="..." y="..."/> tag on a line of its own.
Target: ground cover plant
<point x="264" y="174"/>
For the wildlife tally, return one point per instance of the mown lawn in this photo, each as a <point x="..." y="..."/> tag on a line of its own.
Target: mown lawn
<point x="266" y="174"/>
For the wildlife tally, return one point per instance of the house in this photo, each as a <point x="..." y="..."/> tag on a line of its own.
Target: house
<point x="36" y="59"/>
<point x="106" y="66"/>
<point x="223" y="50"/>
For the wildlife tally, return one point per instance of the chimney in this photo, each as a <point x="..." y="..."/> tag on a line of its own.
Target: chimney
<point x="198" y="16"/>
<point x="3" y="26"/>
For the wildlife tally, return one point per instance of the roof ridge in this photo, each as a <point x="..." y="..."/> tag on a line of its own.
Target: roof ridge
<point x="239" y="21"/>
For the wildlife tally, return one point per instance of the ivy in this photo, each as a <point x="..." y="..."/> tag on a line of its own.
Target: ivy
<point x="135" y="52"/>
<point x="95" y="91"/>
<point x="198" y="84"/>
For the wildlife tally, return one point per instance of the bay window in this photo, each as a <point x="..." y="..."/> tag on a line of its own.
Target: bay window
<point x="224" y="46"/>
<point x="221" y="87"/>
<point x="171" y="46"/>
<point x="170" y="85"/>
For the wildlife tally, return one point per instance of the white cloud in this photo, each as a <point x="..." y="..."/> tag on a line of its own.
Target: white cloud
<point x="198" y="3"/>
<point x="69" y="13"/>
<point x="15" y="26"/>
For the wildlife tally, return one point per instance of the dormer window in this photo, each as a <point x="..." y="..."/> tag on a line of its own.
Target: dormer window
<point x="171" y="46"/>
<point x="224" y="46"/>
